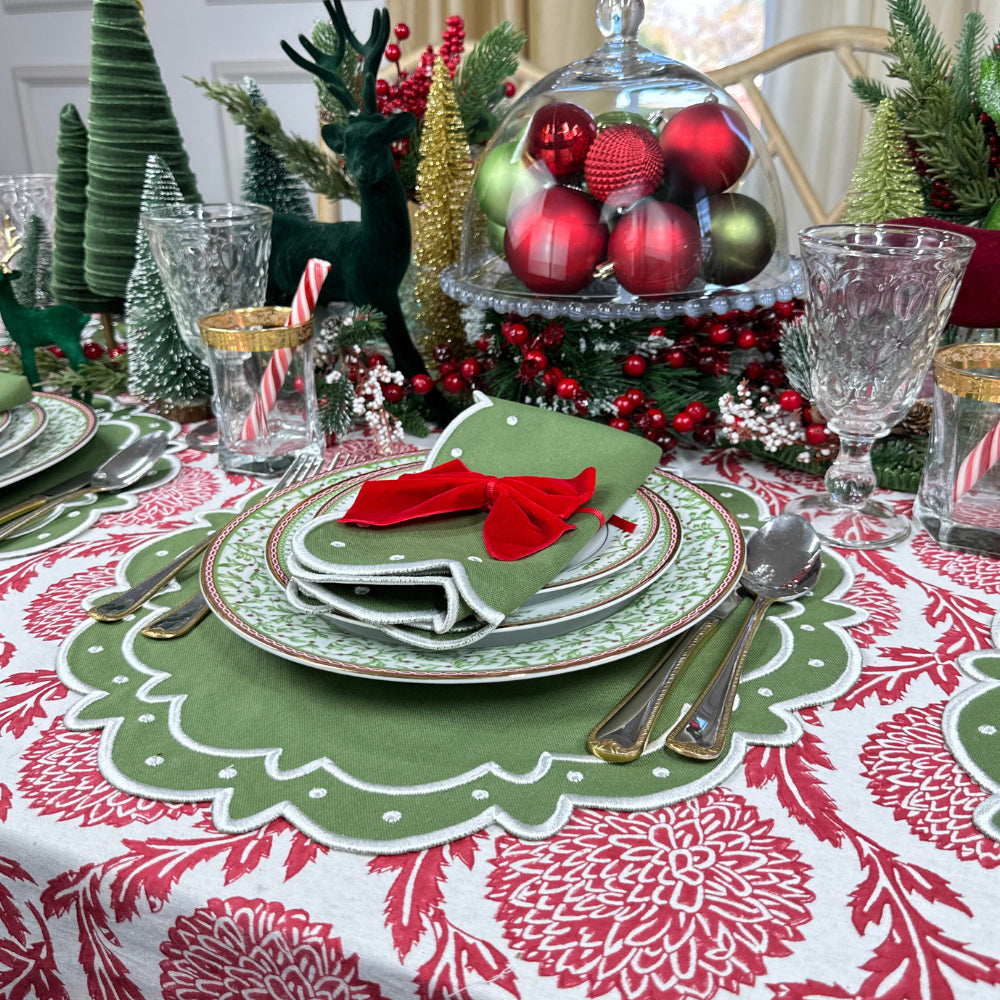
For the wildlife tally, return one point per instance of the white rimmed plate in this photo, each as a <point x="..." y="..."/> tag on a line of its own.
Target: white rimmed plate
<point x="25" y="423"/>
<point x="247" y="599"/>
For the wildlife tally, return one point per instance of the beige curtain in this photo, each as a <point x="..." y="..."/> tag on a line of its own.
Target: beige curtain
<point x="559" y="31"/>
<point x="812" y="100"/>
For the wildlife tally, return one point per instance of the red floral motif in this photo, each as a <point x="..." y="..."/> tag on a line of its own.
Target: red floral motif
<point x="678" y="903"/>
<point x="59" y="777"/>
<point x="250" y="949"/>
<point x="882" y="608"/>
<point x="364" y="449"/>
<point x="959" y="567"/>
<point x="911" y="770"/>
<point x="191" y="489"/>
<point x="58" y="610"/>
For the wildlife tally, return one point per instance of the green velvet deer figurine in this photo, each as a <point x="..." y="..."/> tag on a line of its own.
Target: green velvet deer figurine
<point x="371" y="256"/>
<point x="29" y="327"/>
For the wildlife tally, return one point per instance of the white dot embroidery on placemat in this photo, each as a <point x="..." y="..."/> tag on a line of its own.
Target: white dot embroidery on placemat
<point x="765" y="692"/>
<point x="512" y="421"/>
<point x="317" y="793"/>
<point x="396" y="558"/>
<point x="119" y="679"/>
<point x="155" y="761"/>
<point x="95" y="649"/>
<point x="228" y="772"/>
<point x="474" y="559"/>
<point x="456" y="452"/>
<point x="480" y="793"/>
<point x="392" y="816"/>
<point x="661" y="772"/>
<point x="147" y="717"/>
<point x="73" y="513"/>
<point x="338" y="544"/>
<point x="817" y="663"/>
<point x="162" y="553"/>
<point x="808" y="628"/>
<point x="988" y="730"/>
<point x="575" y="776"/>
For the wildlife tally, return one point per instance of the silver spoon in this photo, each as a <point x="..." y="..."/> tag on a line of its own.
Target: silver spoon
<point x="783" y="562"/>
<point x="121" y="470"/>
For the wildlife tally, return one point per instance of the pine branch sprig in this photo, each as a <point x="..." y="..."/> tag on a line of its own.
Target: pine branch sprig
<point x="482" y="73"/>
<point x="965" y="74"/>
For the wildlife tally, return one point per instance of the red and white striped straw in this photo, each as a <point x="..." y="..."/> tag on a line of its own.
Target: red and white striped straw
<point x="303" y="306"/>
<point x="978" y="462"/>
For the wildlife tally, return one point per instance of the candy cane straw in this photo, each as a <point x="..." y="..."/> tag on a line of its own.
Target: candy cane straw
<point x="978" y="462"/>
<point x="303" y="305"/>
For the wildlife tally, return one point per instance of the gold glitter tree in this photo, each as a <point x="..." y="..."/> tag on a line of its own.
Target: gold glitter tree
<point x="444" y="179"/>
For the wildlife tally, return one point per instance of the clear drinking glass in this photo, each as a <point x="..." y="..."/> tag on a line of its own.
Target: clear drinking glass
<point x="959" y="497"/>
<point x="211" y="257"/>
<point x="265" y="396"/>
<point x="877" y="299"/>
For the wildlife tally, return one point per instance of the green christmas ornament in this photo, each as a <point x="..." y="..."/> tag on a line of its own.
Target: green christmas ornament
<point x="494" y="233"/>
<point x="742" y="239"/>
<point x="498" y="176"/>
<point x="607" y="118"/>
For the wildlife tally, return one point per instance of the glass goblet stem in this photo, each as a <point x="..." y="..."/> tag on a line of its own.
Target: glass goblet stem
<point x="851" y="478"/>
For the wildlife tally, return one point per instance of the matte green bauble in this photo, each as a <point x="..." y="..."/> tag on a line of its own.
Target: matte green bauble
<point x="496" y="179"/>
<point x="607" y="118"/>
<point x="742" y="239"/>
<point x="494" y="233"/>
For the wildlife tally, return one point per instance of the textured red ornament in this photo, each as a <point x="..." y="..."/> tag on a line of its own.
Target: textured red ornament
<point x="554" y="240"/>
<point x="706" y="149"/>
<point x="560" y="135"/>
<point x="624" y="164"/>
<point x="655" y="249"/>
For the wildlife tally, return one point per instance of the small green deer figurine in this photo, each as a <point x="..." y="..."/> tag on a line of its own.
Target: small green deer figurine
<point x="58" y="325"/>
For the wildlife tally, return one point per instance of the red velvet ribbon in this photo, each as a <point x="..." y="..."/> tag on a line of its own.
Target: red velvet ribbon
<point x="526" y="513"/>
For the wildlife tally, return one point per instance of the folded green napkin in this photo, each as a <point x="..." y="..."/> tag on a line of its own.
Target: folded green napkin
<point x="431" y="582"/>
<point x="14" y="390"/>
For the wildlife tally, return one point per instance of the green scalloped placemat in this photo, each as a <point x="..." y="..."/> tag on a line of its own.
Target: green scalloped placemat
<point x="117" y="427"/>
<point x="388" y="767"/>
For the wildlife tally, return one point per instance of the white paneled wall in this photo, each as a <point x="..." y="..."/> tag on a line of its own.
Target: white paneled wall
<point x="45" y="53"/>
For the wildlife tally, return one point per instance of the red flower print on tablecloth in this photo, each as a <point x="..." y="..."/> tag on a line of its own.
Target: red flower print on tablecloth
<point x="58" y="609"/>
<point x="674" y="903"/>
<point x="960" y="567"/>
<point x="881" y="607"/>
<point x="252" y="949"/>
<point x="60" y="777"/>
<point x="190" y="490"/>
<point x="911" y="770"/>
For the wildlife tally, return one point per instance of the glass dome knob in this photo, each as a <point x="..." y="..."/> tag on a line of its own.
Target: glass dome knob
<point x="620" y="18"/>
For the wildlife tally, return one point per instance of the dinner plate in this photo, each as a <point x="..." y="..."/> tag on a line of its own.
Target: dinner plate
<point x="554" y="612"/>
<point x="250" y="601"/>
<point x="26" y="422"/>
<point x="610" y="551"/>
<point x="69" y="425"/>
<point x="4" y="421"/>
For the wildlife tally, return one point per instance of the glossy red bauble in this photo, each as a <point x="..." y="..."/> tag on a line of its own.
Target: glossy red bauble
<point x="392" y="393"/>
<point x="706" y="148"/>
<point x="655" y="249"/>
<point x="422" y="384"/>
<point x="683" y="423"/>
<point x="624" y="164"/>
<point x="554" y="240"/>
<point x="469" y="368"/>
<point x="634" y="365"/>
<point x="560" y="134"/>
<point x="568" y="388"/>
<point x="790" y="400"/>
<point x="453" y="382"/>
<point x="515" y="333"/>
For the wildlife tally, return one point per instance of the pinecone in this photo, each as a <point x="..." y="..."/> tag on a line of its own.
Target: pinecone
<point x="916" y="423"/>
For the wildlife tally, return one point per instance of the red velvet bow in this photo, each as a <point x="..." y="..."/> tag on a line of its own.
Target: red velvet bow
<point x="526" y="513"/>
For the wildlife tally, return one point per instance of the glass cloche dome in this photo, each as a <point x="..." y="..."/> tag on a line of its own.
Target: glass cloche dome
<point x="625" y="184"/>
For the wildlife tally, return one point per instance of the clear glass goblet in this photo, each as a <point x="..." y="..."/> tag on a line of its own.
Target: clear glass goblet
<point x="877" y="298"/>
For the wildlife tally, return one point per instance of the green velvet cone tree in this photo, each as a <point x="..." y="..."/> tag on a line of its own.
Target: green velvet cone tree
<point x="68" y="283"/>
<point x="162" y="368"/>
<point x="885" y="184"/>
<point x="131" y="118"/>
<point x="266" y="177"/>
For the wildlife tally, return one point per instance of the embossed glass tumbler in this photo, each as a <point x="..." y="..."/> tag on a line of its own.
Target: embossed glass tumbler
<point x="211" y="257"/>
<point x="877" y="299"/>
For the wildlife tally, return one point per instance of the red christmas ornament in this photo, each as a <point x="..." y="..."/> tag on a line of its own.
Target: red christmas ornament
<point x="568" y="388"/>
<point x="634" y="365"/>
<point x="789" y="400"/>
<point x="655" y="249"/>
<point x="554" y="240"/>
<point x="560" y="135"/>
<point x="706" y="148"/>
<point x="624" y="163"/>
<point x="422" y="384"/>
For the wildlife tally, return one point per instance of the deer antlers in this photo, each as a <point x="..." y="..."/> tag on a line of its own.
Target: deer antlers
<point x="13" y="240"/>
<point x="327" y="66"/>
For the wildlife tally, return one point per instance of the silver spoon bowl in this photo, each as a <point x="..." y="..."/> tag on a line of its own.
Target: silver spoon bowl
<point x="784" y="561"/>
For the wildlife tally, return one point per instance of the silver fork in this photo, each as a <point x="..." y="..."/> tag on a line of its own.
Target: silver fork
<point x="183" y="618"/>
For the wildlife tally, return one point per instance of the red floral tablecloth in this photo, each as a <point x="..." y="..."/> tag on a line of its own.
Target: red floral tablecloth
<point x="860" y="862"/>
